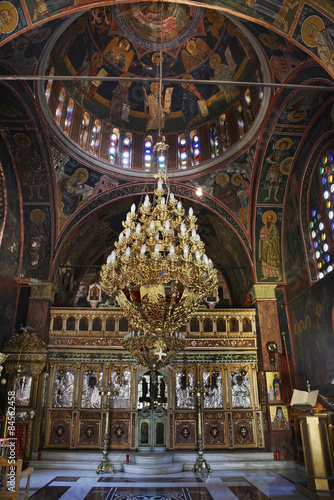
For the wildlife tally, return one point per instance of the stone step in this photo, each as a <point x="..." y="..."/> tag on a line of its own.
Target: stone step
<point x="152" y="459"/>
<point x="150" y="470"/>
<point x="184" y="459"/>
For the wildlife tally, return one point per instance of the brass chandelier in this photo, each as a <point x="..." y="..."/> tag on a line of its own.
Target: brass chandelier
<point x="158" y="270"/>
<point x="159" y="273"/>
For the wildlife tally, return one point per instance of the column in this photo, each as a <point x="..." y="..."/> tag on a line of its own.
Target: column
<point x="40" y="301"/>
<point x="264" y="300"/>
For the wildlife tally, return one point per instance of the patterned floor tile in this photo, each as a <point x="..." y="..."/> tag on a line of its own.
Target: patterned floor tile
<point x="248" y="493"/>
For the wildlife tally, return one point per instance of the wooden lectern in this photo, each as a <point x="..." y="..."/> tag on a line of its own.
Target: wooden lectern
<point x="318" y="452"/>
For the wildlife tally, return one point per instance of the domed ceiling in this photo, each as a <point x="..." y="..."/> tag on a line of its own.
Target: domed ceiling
<point x="265" y="172"/>
<point x="124" y="41"/>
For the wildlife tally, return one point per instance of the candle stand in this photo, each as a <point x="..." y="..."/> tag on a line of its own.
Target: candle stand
<point x="108" y="391"/>
<point x="199" y="391"/>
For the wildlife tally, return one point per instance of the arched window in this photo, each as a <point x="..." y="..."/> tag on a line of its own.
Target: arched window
<point x="194" y="325"/>
<point x="70" y="324"/>
<point x="260" y="90"/>
<point x="182" y="150"/>
<point x="148" y="152"/>
<point x="110" y="325"/>
<point x="58" y="323"/>
<point x="248" y="108"/>
<point x="221" y="325"/>
<point x="114" y="145"/>
<point x="83" y="324"/>
<point x="240" y="119"/>
<point x="327" y="186"/>
<point x="214" y="141"/>
<point x="97" y="325"/>
<point x="224" y="132"/>
<point x="126" y="150"/>
<point x="84" y="130"/>
<point x="162" y="156"/>
<point x="69" y="115"/>
<point x="322" y="216"/>
<point x="207" y="325"/>
<point x="49" y="84"/>
<point x="194" y="147"/>
<point x="60" y="107"/>
<point x="95" y="140"/>
<point x="123" y="325"/>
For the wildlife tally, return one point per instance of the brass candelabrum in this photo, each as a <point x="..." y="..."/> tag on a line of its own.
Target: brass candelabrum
<point x="108" y="391"/>
<point x="199" y="391"/>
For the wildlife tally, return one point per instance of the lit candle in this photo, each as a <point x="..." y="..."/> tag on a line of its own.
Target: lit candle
<point x="187" y="374"/>
<point x="109" y="377"/>
<point x="5" y="429"/>
<point x="210" y="375"/>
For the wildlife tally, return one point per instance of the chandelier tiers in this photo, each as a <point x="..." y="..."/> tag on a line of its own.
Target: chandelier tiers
<point x="159" y="273"/>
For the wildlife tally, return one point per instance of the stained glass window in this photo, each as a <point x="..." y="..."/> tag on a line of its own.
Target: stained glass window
<point x="49" y="85"/>
<point x="214" y="141"/>
<point x="224" y="132"/>
<point x="114" y="144"/>
<point x="84" y="130"/>
<point x="322" y="217"/>
<point x="148" y="152"/>
<point x="60" y="107"/>
<point x="162" y="156"/>
<point x="240" y="119"/>
<point x="194" y="147"/>
<point x="95" y="138"/>
<point x="248" y="108"/>
<point x="126" y="153"/>
<point x="69" y="115"/>
<point x="182" y="150"/>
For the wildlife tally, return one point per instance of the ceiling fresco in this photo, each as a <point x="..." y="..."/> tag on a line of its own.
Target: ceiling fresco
<point x="125" y="42"/>
<point x="69" y="209"/>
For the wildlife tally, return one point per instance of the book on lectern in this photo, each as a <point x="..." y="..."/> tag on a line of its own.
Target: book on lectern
<point x="304" y="400"/>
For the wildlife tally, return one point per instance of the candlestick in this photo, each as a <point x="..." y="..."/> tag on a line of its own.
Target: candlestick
<point x="5" y="429"/>
<point x="109" y="392"/>
<point x="199" y="390"/>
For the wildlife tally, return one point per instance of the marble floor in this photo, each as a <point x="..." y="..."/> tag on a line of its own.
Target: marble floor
<point x="234" y="484"/>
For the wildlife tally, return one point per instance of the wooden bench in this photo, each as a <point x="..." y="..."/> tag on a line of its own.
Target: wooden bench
<point x="11" y="475"/>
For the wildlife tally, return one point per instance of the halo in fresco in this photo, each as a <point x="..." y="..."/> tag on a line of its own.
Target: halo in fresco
<point x="221" y="177"/>
<point x="22" y="139"/>
<point x="297" y="116"/>
<point x="8" y="17"/>
<point x="40" y="35"/>
<point x="266" y="215"/>
<point x="81" y="171"/>
<point x="268" y="40"/>
<point x="237" y="179"/>
<point x="318" y="23"/>
<point x="37" y="215"/>
<point x="284" y="140"/>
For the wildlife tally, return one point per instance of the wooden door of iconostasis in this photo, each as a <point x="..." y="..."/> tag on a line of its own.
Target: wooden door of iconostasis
<point x="152" y="416"/>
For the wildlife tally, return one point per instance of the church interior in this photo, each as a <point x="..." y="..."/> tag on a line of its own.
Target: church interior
<point x="167" y="248"/>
